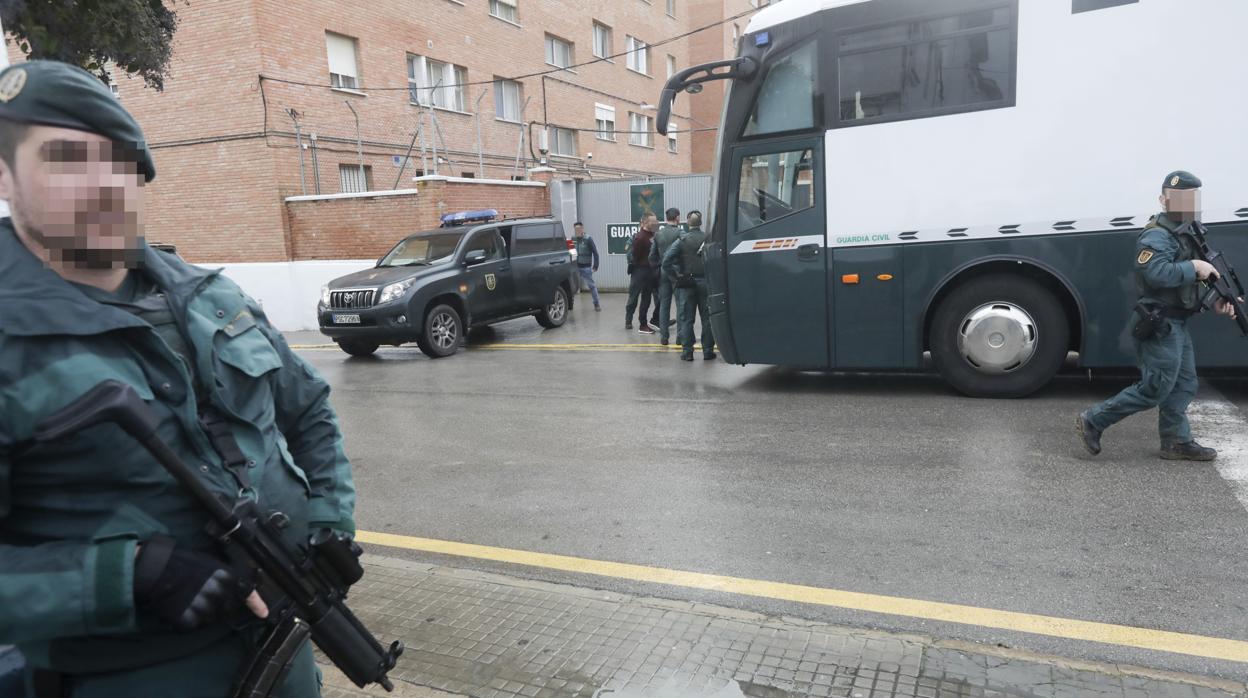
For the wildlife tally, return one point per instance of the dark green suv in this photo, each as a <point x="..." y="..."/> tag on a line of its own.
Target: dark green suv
<point x="434" y="286"/>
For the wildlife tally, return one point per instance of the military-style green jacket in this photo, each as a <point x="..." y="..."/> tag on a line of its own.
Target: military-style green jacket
<point x="72" y="512"/>
<point x="663" y="240"/>
<point x="685" y="257"/>
<point x="1163" y="266"/>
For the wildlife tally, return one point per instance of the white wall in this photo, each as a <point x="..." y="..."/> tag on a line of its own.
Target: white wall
<point x="289" y="291"/>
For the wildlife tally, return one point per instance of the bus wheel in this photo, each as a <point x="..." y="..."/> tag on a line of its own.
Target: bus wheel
<point x="999" y="336"/>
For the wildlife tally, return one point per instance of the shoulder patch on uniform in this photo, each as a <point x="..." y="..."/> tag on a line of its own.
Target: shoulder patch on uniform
<point x="1145" y="255"/>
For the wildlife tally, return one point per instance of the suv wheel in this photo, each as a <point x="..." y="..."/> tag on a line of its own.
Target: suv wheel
<point x="555" y="314"/>
<point x="443" y="332"/>
<point x="356" y="347"/>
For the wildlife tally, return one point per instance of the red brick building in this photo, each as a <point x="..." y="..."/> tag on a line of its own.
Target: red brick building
<point x="439" y="87"/>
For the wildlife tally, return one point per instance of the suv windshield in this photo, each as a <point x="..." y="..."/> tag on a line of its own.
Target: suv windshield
<point x="423" y="249"/>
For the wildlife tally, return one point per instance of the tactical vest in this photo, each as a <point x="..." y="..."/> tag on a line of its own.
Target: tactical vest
<point x="1184" y="297"/>
<point x="691" y="252"/>
<point x="584" y="253"/>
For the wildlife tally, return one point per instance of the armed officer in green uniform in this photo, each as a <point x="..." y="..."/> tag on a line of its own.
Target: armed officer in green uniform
<point x="1168" y="276"/>
<point x="684" y="262"/>
<point x="108" y="582"/>
<point x="667" y="236"/>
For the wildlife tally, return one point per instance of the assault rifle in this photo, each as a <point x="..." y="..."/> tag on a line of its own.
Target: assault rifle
<point x="1225" y="285"/>
<point x="305" y="587"/>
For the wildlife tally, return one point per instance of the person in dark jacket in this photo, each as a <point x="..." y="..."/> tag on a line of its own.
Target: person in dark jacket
<point x="667" y="236"/>
<point x="641" y="275"/>
<point x="109" y="583"/>
<point x="686" y="262"/>
<point x="586" y="259"/>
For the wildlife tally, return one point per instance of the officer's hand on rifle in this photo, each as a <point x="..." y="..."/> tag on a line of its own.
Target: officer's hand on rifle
<point x="189" y="589"/>
<point x="1204" y="269"/>
<point x="1225" y="307"/>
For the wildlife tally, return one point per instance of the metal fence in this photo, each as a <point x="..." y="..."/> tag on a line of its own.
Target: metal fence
<point x="599" y="204"/>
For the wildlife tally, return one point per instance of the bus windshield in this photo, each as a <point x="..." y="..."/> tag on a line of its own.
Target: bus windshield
<point x="424" y="249"/>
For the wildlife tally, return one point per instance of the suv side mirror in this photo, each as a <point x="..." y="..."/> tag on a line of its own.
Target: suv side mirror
<point x="474" y="257"/>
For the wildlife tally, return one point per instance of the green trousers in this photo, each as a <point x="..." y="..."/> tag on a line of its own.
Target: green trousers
<point x="1167" y="382"/>
<point x="689" y="301"/>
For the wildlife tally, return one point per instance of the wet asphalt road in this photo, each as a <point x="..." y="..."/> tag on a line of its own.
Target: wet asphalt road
<point x="885" y="484"/>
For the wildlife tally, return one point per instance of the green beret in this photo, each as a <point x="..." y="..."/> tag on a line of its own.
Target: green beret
<point x="51" y="93"/>
<point x="1181" y="179"/>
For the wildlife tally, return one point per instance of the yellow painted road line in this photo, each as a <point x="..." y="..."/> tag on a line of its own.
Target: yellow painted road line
<point x="1088" y="631"/>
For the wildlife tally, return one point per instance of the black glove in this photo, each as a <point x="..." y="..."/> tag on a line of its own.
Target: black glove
<point x="186" y="589"/>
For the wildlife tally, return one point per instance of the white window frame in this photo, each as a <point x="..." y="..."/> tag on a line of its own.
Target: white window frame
<point x="638" y="55"/>
<point x="341" y="75"/>
<point x="672" y="146"/>
<point x="604" y="114"/>
<point x="671" y="65"/>
<point x="553" y="134"/>
<point x="500" y="105"/>
<point x="553" y="43"/>
<point x="422" y="74"/>
<point x="603" y="51"/>
<point x="497" y="12"/>
<point x="640" y="128"/>
<point x="671" y="8"/>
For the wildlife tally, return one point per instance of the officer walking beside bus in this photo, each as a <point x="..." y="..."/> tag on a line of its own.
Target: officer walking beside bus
<point x="1168" y="278"/>
<point x="685" y="262"/>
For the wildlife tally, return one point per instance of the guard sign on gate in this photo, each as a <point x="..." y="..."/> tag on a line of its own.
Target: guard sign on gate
<point x="619" y="235"/>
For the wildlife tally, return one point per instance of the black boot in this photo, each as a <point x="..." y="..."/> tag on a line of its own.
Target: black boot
<point x="1091" y="435"/>
<point x="1187" y="451"/>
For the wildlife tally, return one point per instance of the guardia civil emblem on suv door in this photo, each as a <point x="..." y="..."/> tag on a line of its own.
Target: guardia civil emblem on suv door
<point x="490" y="282"/>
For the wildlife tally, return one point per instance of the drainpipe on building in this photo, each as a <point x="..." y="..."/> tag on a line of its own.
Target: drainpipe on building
<point x="316" y="166"/>
<point x="359" y="145"/>
<point x="477" y="114"/>
<point x="303" y="180"/>
<point x="408" y="154"/>
<point x="523" y="127"/>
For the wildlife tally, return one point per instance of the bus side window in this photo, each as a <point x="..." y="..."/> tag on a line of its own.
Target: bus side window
<point x="774" y="185"/>
<point x="1090" y="5"/>
<point x="916" y="69"/>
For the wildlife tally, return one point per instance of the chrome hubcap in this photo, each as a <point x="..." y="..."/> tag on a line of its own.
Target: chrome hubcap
<point x="998" y="338"/>
<point x="443" y="331"/>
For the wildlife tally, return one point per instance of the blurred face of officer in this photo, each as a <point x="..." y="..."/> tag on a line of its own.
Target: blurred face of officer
<point x="579" y="231"/>
<point x="78" y="195"/>
<point x="1182" y="204"/>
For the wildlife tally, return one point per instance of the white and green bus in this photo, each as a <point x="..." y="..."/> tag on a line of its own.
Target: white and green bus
<point x="965" y="177"/>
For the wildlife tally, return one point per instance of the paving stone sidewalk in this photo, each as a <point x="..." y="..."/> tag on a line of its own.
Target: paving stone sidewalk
<point x="488" y="635"/>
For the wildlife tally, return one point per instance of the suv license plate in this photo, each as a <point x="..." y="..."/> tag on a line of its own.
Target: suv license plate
<point x="346" y="319"/>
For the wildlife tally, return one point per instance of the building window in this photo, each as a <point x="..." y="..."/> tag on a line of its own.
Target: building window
<point x="468" y="175"/>
<point x="353" y="181"/>
<point x="671" y="66"/>
<point x="602" y="40"/>
<point x="917" y="69"/>
<point x="671" y="138"/>
<point x="505" y="10"/>
<point x="561" y="141"/>
<point x="343" y="72"/>
<point x="507" y="100"/>
<point x="604" y="120"/>
<point x="638" y="55"/>
<point x="671" y="8"/>
<point x="423" y="74"/>
<point x="736" y="36"/>
<point x="558" y="52"/>
<point x="1089" y="5"/>
<point x="640" y="127"/>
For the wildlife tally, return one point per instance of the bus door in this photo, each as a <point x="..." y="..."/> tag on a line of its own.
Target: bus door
<point x="777" y="268"/>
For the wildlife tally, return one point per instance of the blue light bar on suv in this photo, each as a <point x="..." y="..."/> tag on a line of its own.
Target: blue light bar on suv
<point x="451" y="220"/>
